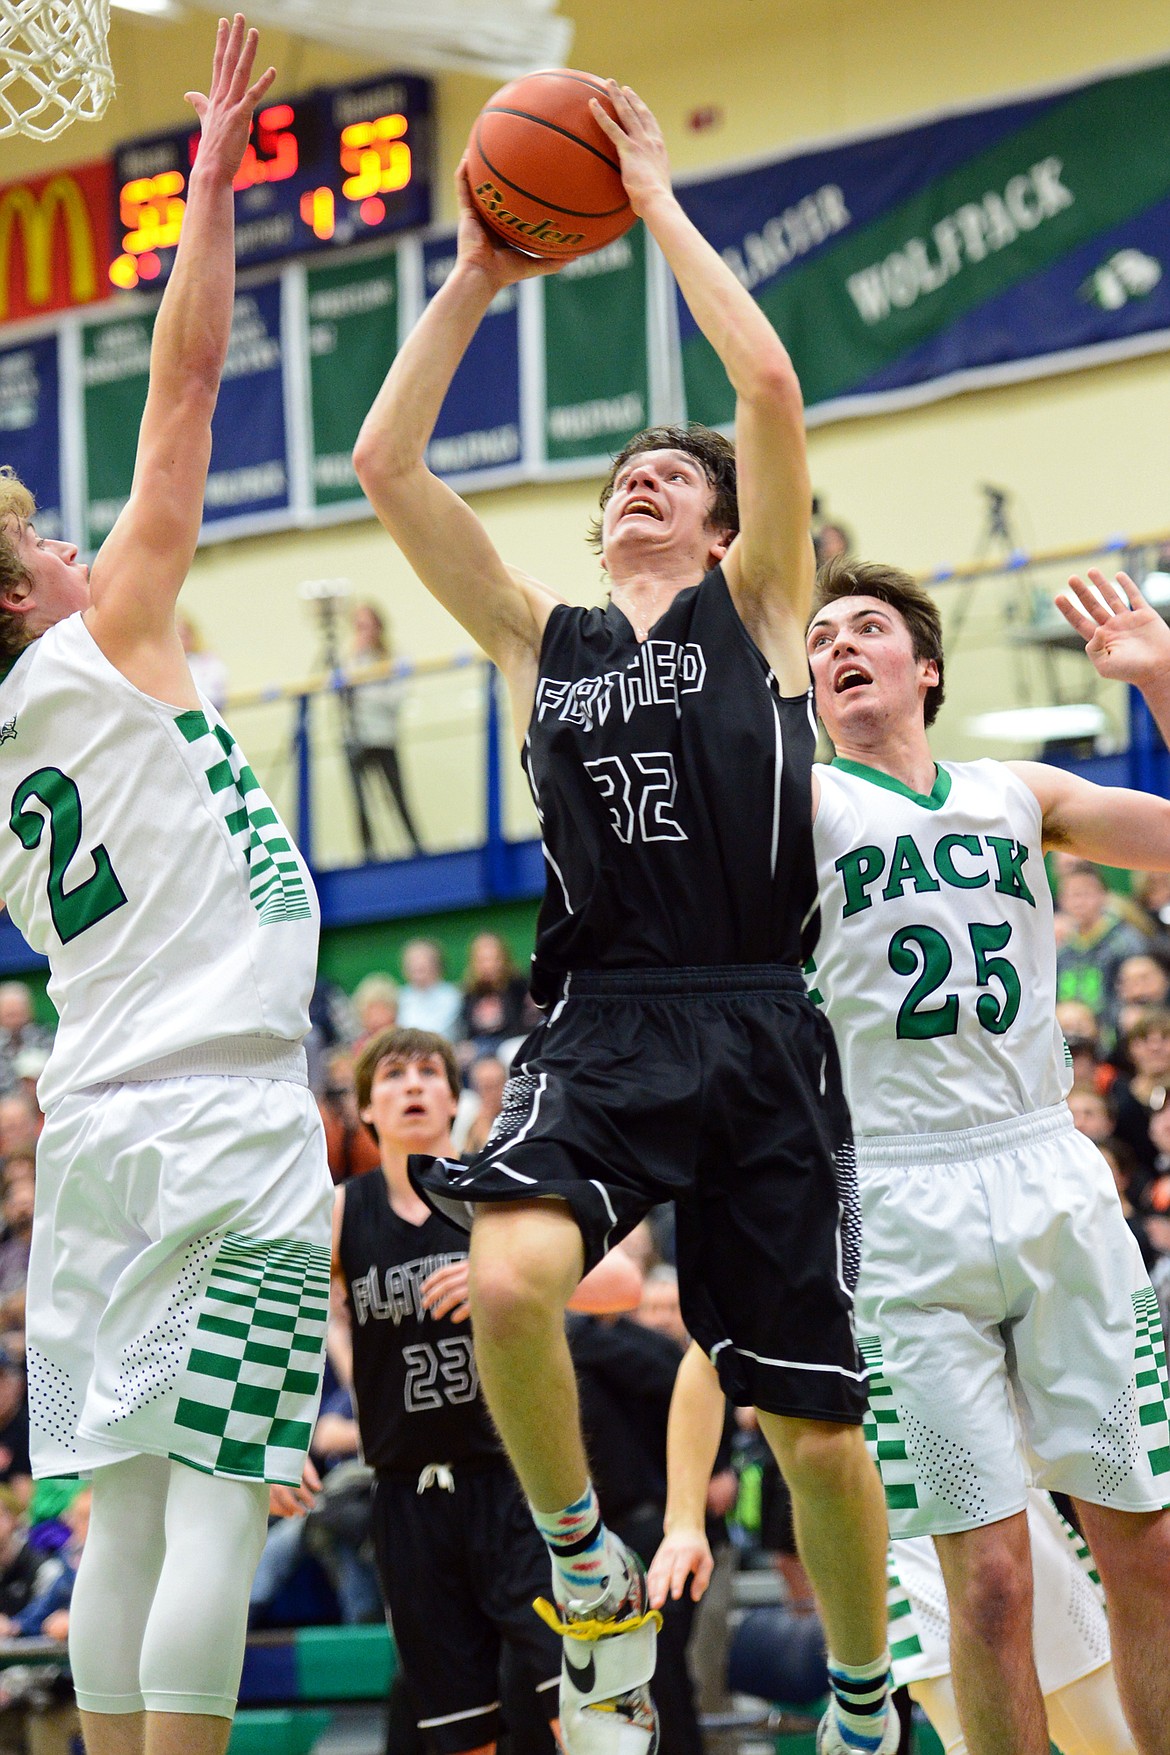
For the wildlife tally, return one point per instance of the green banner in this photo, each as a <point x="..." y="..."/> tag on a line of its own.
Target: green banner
<point x="985" y="239"/>
<point x="115" y="368"/>
<point x="353" y="336"/>
<point x="595" y="351"/>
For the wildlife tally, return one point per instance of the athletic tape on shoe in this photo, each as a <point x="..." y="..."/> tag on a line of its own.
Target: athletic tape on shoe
<point x="604" y="1658"/>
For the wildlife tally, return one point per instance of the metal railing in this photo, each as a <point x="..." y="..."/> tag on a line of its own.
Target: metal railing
<point x="1006" y="647"/>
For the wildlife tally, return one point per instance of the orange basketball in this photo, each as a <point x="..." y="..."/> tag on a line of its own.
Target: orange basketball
<point x="542" y="173"/>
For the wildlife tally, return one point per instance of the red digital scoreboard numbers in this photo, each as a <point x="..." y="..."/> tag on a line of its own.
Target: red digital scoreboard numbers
<point x="331" y="168"/>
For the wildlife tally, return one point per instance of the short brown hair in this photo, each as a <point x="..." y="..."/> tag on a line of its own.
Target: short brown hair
<point x="843" y="577"/>
<point x="714" y="454"/>
<point x="1154" y="1020"/>
<point x="403" y="1045"/>
<point x="16" y="510"/>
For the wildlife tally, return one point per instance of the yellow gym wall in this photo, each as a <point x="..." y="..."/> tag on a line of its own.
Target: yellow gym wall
<point x="1084" y="455"/>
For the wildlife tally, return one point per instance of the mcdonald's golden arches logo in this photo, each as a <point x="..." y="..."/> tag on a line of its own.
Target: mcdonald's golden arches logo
<point x="54" y="241"/>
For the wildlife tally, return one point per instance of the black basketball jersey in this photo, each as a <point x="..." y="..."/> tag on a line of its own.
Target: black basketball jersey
<point x="673" y="784"/>
<point x="415" y="1385"/>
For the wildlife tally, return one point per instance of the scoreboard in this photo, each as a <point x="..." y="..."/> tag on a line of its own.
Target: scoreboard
<point x="333" y="167"/>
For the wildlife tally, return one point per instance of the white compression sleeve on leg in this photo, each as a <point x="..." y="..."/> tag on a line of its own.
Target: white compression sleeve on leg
<point x="116" y="1583"/>
<point x="193" y="1648"/>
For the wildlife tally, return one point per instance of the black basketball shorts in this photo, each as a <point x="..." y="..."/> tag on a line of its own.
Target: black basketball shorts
<point x="460" y="1565"/>
<point x="718" y="1089"/>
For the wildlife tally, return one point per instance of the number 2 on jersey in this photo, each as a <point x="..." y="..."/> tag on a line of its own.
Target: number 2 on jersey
<point x="74" y="911"/>
<point x="915" y="945"/>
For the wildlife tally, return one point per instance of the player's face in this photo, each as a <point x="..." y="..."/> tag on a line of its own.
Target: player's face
<point x="660" y="500"/>
<point x="863" y="665"/>
<point x="60" y="582"/>
<point x="410" y="1102"/>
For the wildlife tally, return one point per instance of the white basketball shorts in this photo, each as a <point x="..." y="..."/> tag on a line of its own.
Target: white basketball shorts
<point x="178" y="1286"/>
<point x="1069" y="1631"/>
<point x="1002" y="1293"/>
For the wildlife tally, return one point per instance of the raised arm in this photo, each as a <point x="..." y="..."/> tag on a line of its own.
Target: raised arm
<point x="142" y="564"/>
<point x="441" y="537"/>
<point x="1126" y="640"/>
<point x="770" y="568"/>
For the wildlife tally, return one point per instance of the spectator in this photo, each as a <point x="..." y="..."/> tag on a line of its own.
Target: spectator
<point x="20" y="1125"/>
<point x="1082" y="1035"/>
<point x="47" y="1612"/>
<point x="14" y="1249"/>
<point x="375" y="1000"/>
<point x="428" y="1001"/>
<point x="487" y="1077"/>
<point x="496" y="1006"/>
<point x="1141" y="1095"/>
<point x="1088" y="961"/>
<point x="660" y="1308"/>
<point x="830" y="541"/>
<point x="639" y="1243"/>
<point x="15" y="1467"/>
<point x="1152" y="891"/>
<point x="372" y="731"/>
<point x="332" y="1025"/>
<point x="19" y="1562"/>
<point x="207" y="669"/>
<point x="18" y="1031"/>
<point x="349" y="1148"/>
<point x="1091" y="1112"/>
<point x="1142" y="980"/>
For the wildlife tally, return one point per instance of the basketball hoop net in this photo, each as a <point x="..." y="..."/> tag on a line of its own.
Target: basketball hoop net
<point x="54" y="65"/>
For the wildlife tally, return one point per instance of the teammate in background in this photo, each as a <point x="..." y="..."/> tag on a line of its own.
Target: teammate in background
<point x="178" y="1285"/>
<point x="1069" y="1630"/>
<point x="650" y="728"/>
<point x="998" y="1272"/>
<point x="458" y="1556"/>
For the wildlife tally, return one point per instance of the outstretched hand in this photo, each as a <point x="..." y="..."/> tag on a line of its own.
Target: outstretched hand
<point x="682" y="1554"/>
<point x="225" y="114"/>
<point x="479" y="246"/>
<point x="1125" y="638"/>
<point x="645" y="166"/>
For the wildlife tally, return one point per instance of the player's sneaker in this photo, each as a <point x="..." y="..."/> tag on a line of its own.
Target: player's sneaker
<point x="830" y="1740"/>
<point x="606" y="1666"/>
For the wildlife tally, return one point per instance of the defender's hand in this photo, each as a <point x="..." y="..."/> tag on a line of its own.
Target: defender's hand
<point x="1124" y="637"/>
<point x="682" y="1553"/>
<point x="225" y="114"/>
<point x="645" y="166"/>
<point x="444" y="1293"/>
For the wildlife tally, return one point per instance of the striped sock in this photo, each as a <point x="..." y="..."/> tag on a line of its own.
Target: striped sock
<point x="860" y="1694"/>
<point x="582" y="1549"/>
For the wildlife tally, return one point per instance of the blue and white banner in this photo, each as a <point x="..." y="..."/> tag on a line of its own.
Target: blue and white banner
<point x="1000" y="243"/>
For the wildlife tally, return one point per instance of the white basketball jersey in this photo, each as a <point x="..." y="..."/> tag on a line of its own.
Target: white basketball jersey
<point x="937" y="958"/>
<point x="140" y="855"/>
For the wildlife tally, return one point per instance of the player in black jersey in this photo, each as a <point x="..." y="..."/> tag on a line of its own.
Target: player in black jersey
<point x="458" y="1556"/>
<point x="680" y="1058"/>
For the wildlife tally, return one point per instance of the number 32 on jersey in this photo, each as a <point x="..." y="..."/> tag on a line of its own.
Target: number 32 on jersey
<point x="639" y="791"/>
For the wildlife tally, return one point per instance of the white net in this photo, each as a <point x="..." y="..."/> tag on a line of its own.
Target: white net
<point x="54" y="65"/>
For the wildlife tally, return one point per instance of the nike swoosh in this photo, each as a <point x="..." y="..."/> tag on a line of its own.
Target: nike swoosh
<point x="584" y="1676"/>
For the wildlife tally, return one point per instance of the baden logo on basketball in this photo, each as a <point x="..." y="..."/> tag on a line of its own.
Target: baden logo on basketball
<point x="539" y="231"/>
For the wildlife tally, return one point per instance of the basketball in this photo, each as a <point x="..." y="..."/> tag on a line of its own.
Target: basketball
<point x="543" y="175"/>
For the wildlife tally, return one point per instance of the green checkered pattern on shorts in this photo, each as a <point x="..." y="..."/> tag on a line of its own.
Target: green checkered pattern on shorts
<point x="883" y="1430"/>
<point x="253" y="1375"/>
<point x="1150" y="1381"/>
<point x="902" y="1631"/>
